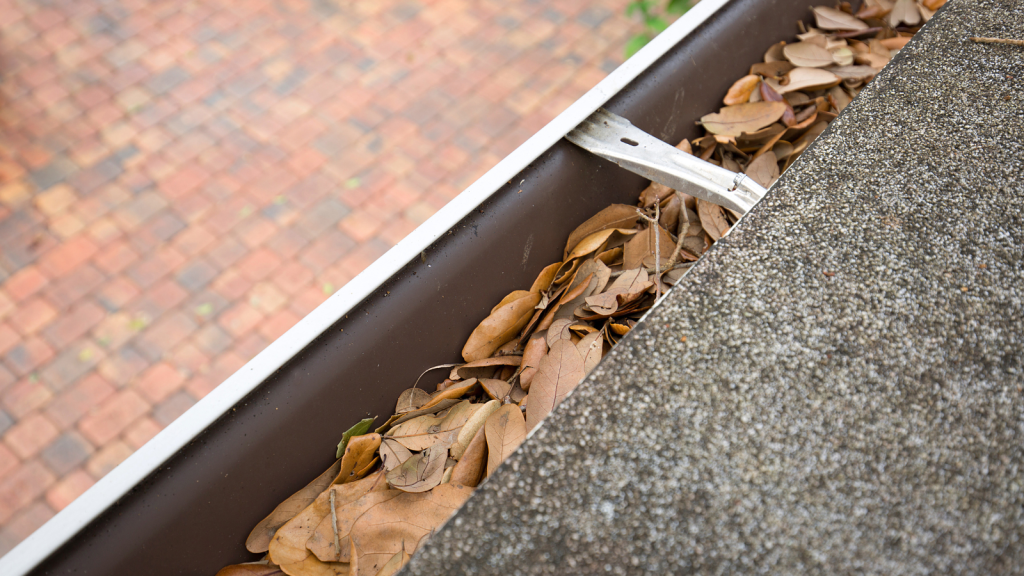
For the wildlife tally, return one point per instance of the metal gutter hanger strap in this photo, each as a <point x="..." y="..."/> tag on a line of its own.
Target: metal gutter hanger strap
<point x="614" y="138"/>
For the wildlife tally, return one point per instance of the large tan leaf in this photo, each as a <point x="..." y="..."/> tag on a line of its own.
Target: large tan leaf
<point x="259" y="539"/>
<point x="475" y="422"/>
<point x="591" y="347"/>
<point x="401" y="523"/>
<point x="614" y="216"/>
<point x="559" y="372"/>
<point x="495" y="388"/>
<point x="591" y="277"/>
<point x="642" y="246"/>
<point x="904" y="11"/>
<point x="805" y="79"/>
<point x="466" y="370"/>
<point x="250" y="569"/>
<point x="419" y="433"/>
<point x="454" y="391"/>
<point x="862" y="73"/>
<point x="434" y="408"/>
<point x="739" y="92"/>
<point x="421" y="472"/>
<point x="324" y="542"/>
<point x="392" y="453"/>
<point x="655" y="192"/>
<point x="750" y="117"/>
<point x="511" y="297"/>
<point x="628" y="286"/>
<point x="535" y="349"/>
<point x="832" y="19"/>
<point x="567" y="296"/>
<point x="500" y="327"/>
<point x="806" y="54"/>
<point x="607" y="238"/>
<point x="764" y="169"/>
<point x="559" y="330"/>
<point x="288" y="546"/>
<point x="712" y="218"/>
<point x="411" y="399"/>
<point x="546" y="276"/>
<point x="505" y="431"/>
<point x="392" y="566"/>
<point x="359" y="453"/>
<point x="470" y="468"/>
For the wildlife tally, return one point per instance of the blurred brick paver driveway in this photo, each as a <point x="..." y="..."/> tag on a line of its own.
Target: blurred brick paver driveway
<point x="181" y="181"/>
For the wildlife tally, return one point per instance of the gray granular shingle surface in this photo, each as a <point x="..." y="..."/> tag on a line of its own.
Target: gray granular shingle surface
<point x="848" y="397"/>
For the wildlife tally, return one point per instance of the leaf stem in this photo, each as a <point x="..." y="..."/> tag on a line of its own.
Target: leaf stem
<point x="982" y="40"/>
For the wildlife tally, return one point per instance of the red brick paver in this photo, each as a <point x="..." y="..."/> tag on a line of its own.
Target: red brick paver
<point x="181" y="181"/>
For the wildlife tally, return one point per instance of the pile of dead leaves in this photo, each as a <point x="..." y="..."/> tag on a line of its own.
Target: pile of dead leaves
<point x="392" y="487"/>
<point x="772" y="114"/>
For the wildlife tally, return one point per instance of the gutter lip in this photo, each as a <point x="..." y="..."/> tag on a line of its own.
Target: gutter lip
<point x="49" y="538"/>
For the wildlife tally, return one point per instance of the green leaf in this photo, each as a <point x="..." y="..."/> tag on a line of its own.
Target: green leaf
<point x="657" y="23"/>
<point x="362" y="427"/>
<point x="635" y="44"/>
<point x="678" y="6"/>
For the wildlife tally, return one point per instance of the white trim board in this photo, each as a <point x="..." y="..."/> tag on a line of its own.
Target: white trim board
<point x="105" y="493"/>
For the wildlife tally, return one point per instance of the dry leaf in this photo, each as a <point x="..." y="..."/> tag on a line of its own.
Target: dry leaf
<point x="750" y="117"/>
<point x="288" y="546"/>
<point x="470" y="468"/>
<point x="559" y="330"/>
<point x="421" y="472"/>
<point x="615" y="216"/>
<point x="392" y="566"/>
<point x="559" y="372"/>
<point x="713" y="219"/>
<point x="393" y="454"/>
<point x="250" y="569"/>
<point x="259" y="538"/>
<point x="470" y="369"/>
<point x="904" y="11"/>
<point x="864" y="73"/>
<point x="500" y="327"/>
<point x="806" y="79"/>
<point x="842" y="56"/>
<point x="536" y="348"/>
<point x="808" y="55"/>
<point x="642" y="245"/>
<point x="324" y="541"/>
<point x="832" y="19"/>
<point x="401" y="523"/>
<point x="591" y="347"/>
<point x="604" y="238"/>
<point x="670" y="212"/>
<point x="359" y="453"/>
<point x="455" y="391"/>
<point x="774" y="54"/>
<point x="546" y="276"/>
<point x="764" y="169"/>
<point x="411" y="399"/>
<point x="421" y="432"/>
<point x="475" y="422"/>
<point x="432" y="409"/>
<point x="775" y="70"/>
<point x="655" y="192"/>
<point x="800" y="145"/>
<point x="631" y="283"/>
<point x="895" y="43"/>
<point x="495" y="388"/>
<point x="739" y="92"/>
<point x="505" y="430"/>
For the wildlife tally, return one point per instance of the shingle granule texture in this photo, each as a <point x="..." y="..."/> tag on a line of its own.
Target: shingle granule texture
<point x="848" y="397"/>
